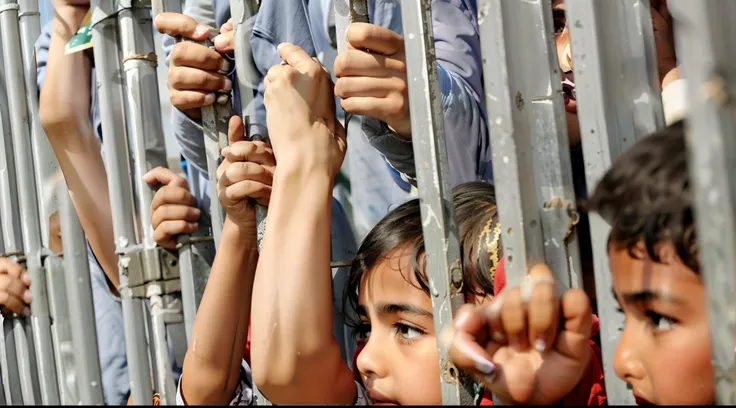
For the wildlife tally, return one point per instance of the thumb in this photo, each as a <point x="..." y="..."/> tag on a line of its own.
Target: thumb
<point x="235" y="130"/>
<point x="224" y="42"/>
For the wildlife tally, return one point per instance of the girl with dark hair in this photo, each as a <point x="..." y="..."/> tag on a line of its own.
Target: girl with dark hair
<point x="295" y="358"/>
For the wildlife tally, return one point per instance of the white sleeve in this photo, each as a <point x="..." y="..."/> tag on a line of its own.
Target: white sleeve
<point x="243" y="392"/>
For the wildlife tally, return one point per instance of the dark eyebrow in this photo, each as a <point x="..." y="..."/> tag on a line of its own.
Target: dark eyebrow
<point x="647" y="296"/>
<point x="391" y="308"/>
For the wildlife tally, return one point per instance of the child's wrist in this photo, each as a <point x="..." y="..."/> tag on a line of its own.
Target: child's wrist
<point x="67" y="20"/>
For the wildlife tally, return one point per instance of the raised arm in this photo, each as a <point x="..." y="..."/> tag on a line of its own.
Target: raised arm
<point x="387" y="123"/>
<point x="212" y="363"/>
<point x="295" y="358"/>
<point x="64" y="113"/>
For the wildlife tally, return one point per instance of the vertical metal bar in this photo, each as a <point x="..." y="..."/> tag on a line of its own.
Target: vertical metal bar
<point x="9" y="364"/>
<point x="143" y="109"/>
<point x="707" y="37"/>
<point x="145" y="127"/>
<point x="215" y="119"/>
<point x="26" y="359"/>
<point x="165" y="378"/>
<point x="438" y="220"/>
<point x="109" y="85"/>
<point x="60" y="331"/>
<point x="40" y="320"/>
<point x="241" y="12"/>
<point x="12" y="238"/>
<point x="45" y="162"/>
<point x="531" y="160"/>
<point x="346" y="12"/>
<point x="81" y="305"/>
<point x="618" y="102"/>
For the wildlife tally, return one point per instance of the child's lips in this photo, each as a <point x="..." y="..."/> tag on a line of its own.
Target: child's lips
<point x="378" y="399"/>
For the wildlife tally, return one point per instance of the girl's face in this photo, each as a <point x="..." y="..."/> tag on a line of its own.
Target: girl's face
<point x="399" y="363"/>
<point x="564" y="57"/>
<point x="664" y="351"/>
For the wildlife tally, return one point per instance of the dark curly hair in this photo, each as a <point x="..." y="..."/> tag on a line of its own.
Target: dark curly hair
<point x="475" y="214"/>
<point x="646" y="197"/>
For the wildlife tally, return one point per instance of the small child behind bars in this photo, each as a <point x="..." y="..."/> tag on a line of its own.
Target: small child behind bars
<point x="664" y="352"/>
<point x="295" y="356"/>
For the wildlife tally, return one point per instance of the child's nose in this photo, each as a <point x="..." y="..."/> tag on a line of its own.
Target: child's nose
<point x="626" y="362"/>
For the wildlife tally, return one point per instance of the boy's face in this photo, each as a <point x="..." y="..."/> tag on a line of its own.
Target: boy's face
<point x="564" y="57"/>
<point x="664" y="351"/>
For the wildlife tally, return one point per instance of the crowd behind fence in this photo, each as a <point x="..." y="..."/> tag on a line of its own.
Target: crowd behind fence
<point x="51" y="356"/>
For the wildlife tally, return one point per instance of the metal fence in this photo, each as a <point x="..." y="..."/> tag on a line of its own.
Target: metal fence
<point x="51" y="356"/>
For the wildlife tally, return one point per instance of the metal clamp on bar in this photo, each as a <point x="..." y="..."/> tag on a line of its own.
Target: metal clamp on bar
<point x="140" y="265"/>
<point x="559" y="219"/>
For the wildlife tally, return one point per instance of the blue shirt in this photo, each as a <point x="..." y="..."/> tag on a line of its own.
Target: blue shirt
<point x="457" y="45"/>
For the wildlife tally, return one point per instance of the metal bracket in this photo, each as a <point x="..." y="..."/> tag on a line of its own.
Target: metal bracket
<point x="559" y="219"/>
<point x="155" y="265"/>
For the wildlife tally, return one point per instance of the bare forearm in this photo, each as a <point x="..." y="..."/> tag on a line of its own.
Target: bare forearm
<point x="294" y="354"/>
<point x="64" y="114"/>
<point x="212" y="363"/>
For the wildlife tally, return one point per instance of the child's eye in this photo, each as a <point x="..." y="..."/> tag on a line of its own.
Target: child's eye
<point x="559" y="26"/>
<point x="363" y="331"/>
<point x="659" y="322"/>
<point x="408" y="332"/>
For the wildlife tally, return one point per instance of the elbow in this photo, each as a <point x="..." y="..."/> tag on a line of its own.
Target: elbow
<point x="304" y="376"/>
<point x="56" y="115"/>
<point x="204" y="384"/>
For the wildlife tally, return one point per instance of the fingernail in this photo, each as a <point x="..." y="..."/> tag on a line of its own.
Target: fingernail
<point x="225" y="65"/>
<point x="222" y="99"/>
<point x="201" y="30"/>
<point x="209" y="99"/>
<point x="193" y="225"/>
<point x="26" y="311"/>
<point x="540" y="345"/>
<point x="228" y="84"/>
<point x="27" y="296"/>
<point x="220" y="41"/>
<point x="485" y="367"/>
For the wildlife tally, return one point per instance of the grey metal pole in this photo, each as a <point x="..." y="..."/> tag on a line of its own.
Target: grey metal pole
<point x="110" y="88"/>
<point x="241" y="12"/>
<point x="444" y="267"/>
<point x="707" y="36"/>
<point x="144" y="127"/>
<point x="60" y="330"/>
<point x="531" y="159"/>
<point x="81" y="305"/>
<point x="12" y="240"/>
<point x="45" y="162"/>
<point x="40" y="320"/>
<point x="618" y="102"/>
